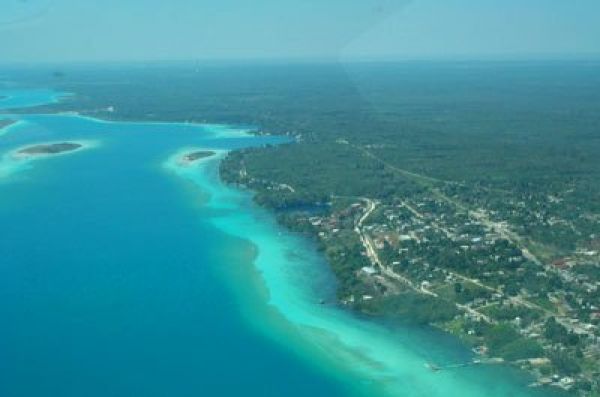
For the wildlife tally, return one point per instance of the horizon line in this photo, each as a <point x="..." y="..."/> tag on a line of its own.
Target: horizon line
<point x="452" y="58"/>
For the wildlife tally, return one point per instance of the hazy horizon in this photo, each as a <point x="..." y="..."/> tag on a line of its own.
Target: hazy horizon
<point x="64" y="31"/>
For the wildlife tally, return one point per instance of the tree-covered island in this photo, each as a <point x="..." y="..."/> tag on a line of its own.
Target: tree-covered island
<point x="466" y="196"/>
<point x="50" y="148"/>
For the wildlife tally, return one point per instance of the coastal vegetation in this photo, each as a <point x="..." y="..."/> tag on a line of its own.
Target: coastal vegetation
<point x="466" y="196"/>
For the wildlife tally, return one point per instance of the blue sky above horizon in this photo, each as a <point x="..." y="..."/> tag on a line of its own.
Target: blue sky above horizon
<point x="89" y="30"/>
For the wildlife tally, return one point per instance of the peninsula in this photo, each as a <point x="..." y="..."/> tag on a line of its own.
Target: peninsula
<point x="430" y="204"/>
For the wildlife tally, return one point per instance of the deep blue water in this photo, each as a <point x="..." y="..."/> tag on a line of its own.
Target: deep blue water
<point x="125" y="273"/>
<point x="107" y="277"/>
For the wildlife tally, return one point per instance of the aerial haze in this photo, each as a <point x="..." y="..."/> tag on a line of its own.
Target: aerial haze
<point x="342" y="198"/>
<point x="68" y="30"/>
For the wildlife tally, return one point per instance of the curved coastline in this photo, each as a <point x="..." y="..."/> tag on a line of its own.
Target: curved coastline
<point x="338" y="341"/>
<point x="290" y="276"/>
<point x="218" y="131"/>
<point x="24" y="98"/>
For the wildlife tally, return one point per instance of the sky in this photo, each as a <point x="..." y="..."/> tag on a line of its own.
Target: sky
<point x="35" y="31"/>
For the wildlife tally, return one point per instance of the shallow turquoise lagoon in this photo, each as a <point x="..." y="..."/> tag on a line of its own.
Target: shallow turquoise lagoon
<point x="20" y="98"/>
<point x="124" y="272"/>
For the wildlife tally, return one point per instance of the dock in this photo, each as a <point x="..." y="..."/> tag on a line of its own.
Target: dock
<point x="436" y="368"/>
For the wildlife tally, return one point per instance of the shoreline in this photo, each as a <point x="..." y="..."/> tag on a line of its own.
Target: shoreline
<point x="359" y="345"/>
<point x="221" y="130"/>
<point x="525" y="368"/>
<point x="219" y="154"/>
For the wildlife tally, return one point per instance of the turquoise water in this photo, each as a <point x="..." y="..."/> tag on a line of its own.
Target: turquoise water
<point x="20" y="98"/>
<point x="124" y="272"/>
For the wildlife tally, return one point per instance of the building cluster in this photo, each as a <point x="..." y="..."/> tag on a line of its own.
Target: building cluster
<point x="456" y="256"/>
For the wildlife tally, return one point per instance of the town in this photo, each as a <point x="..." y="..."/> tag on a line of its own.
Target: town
<point x="440" y="256"/>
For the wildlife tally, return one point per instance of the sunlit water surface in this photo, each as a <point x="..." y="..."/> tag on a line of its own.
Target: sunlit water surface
<point x="125" y="273"/>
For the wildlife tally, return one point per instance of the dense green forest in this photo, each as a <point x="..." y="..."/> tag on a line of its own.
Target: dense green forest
<point x="523" y="128"/>
<point x="520" y="140"/>
<point x="485" y="175"/>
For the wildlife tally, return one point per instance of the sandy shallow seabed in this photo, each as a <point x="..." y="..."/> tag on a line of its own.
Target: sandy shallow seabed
<point x="280" y="278"/>
<point x="383" y="361"/>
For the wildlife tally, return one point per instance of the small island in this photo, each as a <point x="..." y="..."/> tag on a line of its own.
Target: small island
<point x="201" y="154"/>
<point x="51" y="148"/>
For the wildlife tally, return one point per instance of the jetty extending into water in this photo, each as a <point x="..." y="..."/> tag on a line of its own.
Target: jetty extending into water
<point x="435" y="367"/>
